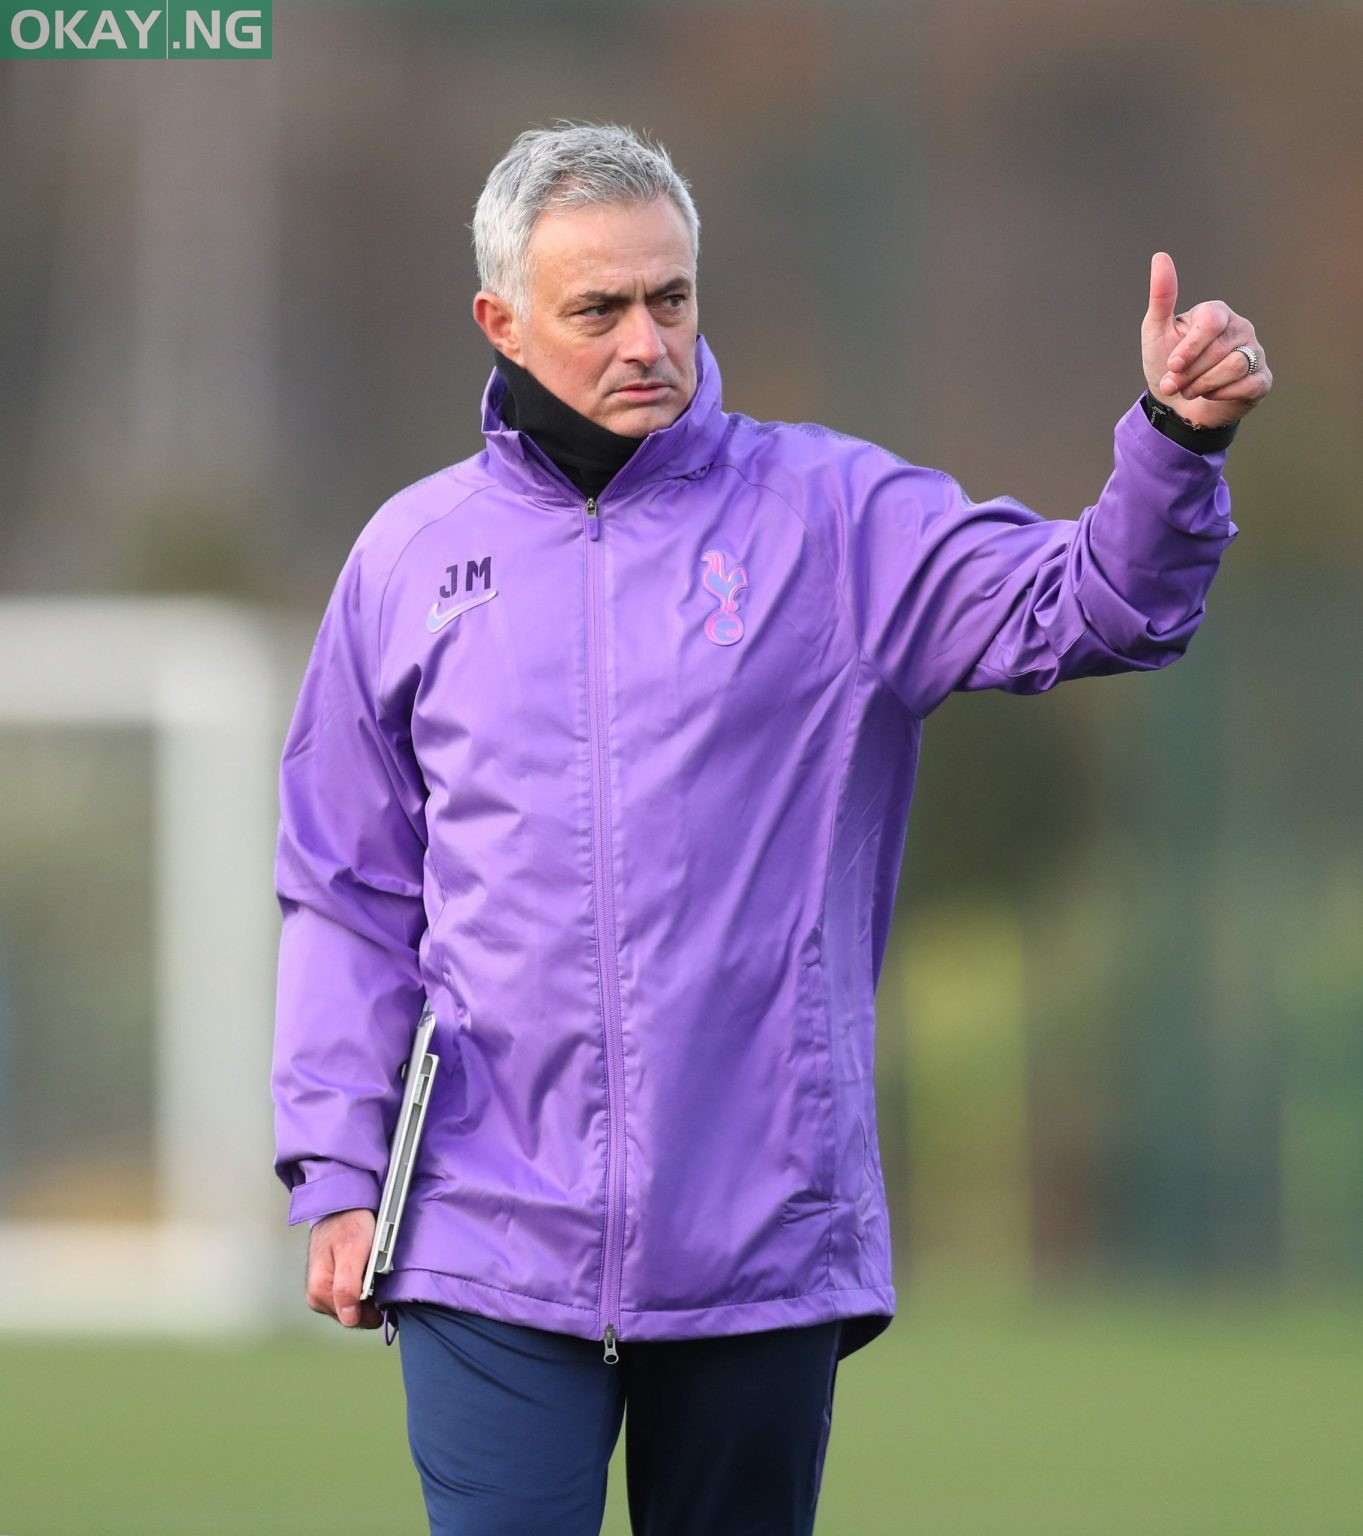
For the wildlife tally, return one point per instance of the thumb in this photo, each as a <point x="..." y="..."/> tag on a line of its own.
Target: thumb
<point x="1163" y="290"/>
<point x="345" y="1288"/>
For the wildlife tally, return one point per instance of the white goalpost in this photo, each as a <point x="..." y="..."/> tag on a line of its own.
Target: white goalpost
<point x="210" y="684"/>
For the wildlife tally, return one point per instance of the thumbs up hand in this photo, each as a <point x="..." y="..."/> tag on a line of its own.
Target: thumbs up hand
<point x="1191" y="362"/>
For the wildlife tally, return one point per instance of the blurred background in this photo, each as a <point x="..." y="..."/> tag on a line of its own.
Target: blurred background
<point x="1120" y="1045"/>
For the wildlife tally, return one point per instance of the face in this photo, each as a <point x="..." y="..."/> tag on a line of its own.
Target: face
<point x="612" y="322"/>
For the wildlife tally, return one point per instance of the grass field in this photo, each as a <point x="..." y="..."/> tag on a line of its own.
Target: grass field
<point x="1085" y="1416"/>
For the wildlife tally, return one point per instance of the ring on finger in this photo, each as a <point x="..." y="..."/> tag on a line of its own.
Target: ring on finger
<point x="1251" y="357"/>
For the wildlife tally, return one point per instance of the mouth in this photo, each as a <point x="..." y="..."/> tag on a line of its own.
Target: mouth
<point x="643" y="391"/>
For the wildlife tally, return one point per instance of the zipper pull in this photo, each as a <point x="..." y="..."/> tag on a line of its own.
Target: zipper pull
<point x="612" y="1353"/>
<point x="593" y="520"/>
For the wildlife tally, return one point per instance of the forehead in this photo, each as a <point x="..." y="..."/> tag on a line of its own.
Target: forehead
<point x="612" y="245"/>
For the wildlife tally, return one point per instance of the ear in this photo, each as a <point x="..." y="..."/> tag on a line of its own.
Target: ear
<point x="498" y="323"/>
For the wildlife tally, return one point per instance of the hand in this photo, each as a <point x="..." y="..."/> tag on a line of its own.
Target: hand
<point x="338" y="1251"/>
<point x="1190" y="360"/>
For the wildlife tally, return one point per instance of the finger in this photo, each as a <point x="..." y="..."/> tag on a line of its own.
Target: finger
<point x="1163" y="290"/>
<point x="1229" y="366"/>
<point x="1221" y="348"/>
<point x="1205" y="323"/>
<point x="1253" y="387"/>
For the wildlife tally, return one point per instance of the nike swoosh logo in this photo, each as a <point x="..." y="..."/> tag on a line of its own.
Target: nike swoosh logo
<point x="435" y="619"/>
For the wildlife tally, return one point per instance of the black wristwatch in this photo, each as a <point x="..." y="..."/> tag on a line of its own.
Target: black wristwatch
<point x="1185" y="433"/>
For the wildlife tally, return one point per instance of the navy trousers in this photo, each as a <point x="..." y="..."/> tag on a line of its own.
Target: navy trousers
<point x="512" y="1428"/>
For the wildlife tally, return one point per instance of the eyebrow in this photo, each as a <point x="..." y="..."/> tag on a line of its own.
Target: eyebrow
<point x="601" y="296"/>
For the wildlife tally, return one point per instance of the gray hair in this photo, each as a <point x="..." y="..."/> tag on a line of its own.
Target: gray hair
<point x="569" y="165"/>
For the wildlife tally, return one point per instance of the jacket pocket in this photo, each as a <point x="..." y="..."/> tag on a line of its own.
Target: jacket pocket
<point x="816" y="1057"/>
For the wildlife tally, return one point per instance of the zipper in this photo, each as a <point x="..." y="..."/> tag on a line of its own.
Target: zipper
<point x="607" y="976"/>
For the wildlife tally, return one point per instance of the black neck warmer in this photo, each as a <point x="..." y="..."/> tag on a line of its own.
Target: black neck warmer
<point x="588" y="454"/>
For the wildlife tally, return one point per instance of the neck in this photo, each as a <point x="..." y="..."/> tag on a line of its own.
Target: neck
<point x="589" y="454"/>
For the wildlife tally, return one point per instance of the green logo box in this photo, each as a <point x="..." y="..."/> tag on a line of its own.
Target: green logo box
<point x="170" y="29"/>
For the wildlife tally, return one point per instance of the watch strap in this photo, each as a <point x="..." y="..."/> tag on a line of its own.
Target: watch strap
<point x="1184" y="433"/>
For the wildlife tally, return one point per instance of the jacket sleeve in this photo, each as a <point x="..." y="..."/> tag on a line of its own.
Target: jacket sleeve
<point x="949" y="594"/>
<point x="348" y="875"/>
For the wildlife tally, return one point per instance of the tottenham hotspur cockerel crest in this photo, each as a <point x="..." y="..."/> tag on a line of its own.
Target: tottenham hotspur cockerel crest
<point x="725" y="581"/>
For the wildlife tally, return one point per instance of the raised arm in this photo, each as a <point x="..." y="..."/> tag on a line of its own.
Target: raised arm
<point x="946" y="593"/>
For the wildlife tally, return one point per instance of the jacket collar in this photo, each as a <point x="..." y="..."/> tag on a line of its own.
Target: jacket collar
<point x="686" y="448"/>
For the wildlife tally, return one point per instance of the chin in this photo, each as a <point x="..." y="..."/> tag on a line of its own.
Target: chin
<point x="640" y="420"/>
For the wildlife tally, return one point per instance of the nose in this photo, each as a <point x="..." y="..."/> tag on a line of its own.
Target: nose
<point x="640" y="341"/>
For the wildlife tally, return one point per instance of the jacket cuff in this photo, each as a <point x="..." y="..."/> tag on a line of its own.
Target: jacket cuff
<point x="325" y="1193"/>
<point x="1186" y="477"/>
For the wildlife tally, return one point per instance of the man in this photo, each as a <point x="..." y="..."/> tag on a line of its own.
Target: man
<point x="606" y="747"/>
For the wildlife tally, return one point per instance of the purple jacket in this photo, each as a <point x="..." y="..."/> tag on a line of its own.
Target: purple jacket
<point x="622" y="787"/>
